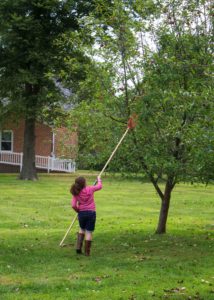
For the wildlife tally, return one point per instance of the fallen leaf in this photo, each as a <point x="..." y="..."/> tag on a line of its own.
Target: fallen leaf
<point x="180" y="281"/>
<point x="98" y="279"/>
<point x="175" y="290"/>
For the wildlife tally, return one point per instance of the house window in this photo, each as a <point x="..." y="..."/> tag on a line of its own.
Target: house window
<point x="6" y="140"/>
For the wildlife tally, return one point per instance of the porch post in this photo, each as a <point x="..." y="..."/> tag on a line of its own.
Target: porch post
<point x="21" y="160"/>
<point x="69" y="167"/>
<point x="49" y="163"/>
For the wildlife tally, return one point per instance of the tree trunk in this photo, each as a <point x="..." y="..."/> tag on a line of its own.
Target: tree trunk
<point x="165" y="202"/>
<point x="28" y="171"/>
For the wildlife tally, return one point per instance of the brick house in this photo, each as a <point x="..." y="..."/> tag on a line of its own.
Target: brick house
<point x="55" y="148"/>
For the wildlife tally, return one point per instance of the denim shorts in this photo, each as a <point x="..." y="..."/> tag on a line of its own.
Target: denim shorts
<point x="87" y="220"/>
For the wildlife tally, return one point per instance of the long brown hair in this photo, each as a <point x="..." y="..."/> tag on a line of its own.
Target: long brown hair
<point x="79" y="184"/>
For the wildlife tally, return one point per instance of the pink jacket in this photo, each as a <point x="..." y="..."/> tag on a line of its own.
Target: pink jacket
<point x="85" y="199"/>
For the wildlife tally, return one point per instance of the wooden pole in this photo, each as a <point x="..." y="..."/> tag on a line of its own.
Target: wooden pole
<point x="111" y="156"/>
<point x="67" y="232"/>
<point x="108" y="161"/>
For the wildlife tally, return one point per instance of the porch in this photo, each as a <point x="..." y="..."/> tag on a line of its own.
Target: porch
<point x="42" y="162"/>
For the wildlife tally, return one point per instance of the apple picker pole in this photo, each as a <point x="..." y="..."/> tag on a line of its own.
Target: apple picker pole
<point x="130" y="125"/>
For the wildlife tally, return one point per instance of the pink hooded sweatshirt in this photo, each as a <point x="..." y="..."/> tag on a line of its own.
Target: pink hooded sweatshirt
<point x="85" y="199"/>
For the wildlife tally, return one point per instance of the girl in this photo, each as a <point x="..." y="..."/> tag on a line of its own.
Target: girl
<point x="83" y="203"/>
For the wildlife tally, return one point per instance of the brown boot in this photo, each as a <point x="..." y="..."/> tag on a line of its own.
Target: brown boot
<point x="80" y="238"/>
<point x="87" y="248"/>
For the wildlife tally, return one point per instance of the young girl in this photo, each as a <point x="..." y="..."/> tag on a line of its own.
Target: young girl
<point x="83" y="203"/>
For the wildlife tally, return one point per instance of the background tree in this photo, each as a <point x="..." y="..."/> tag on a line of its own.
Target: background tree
<point x="39" y="44"/>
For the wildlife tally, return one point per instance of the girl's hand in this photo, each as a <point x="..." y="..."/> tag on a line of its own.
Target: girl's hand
<point x="98" y="177"/>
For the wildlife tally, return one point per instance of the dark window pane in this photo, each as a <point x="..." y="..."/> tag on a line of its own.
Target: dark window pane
<point x="6" y="136"/>
<point x="6" y="146"/>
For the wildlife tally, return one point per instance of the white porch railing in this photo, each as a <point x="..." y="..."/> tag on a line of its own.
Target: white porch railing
<point x="42" y="162"/>
<point x="11" y="158"/>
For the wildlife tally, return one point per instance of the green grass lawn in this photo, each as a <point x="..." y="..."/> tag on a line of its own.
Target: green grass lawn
<point x="128" y="260"/>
